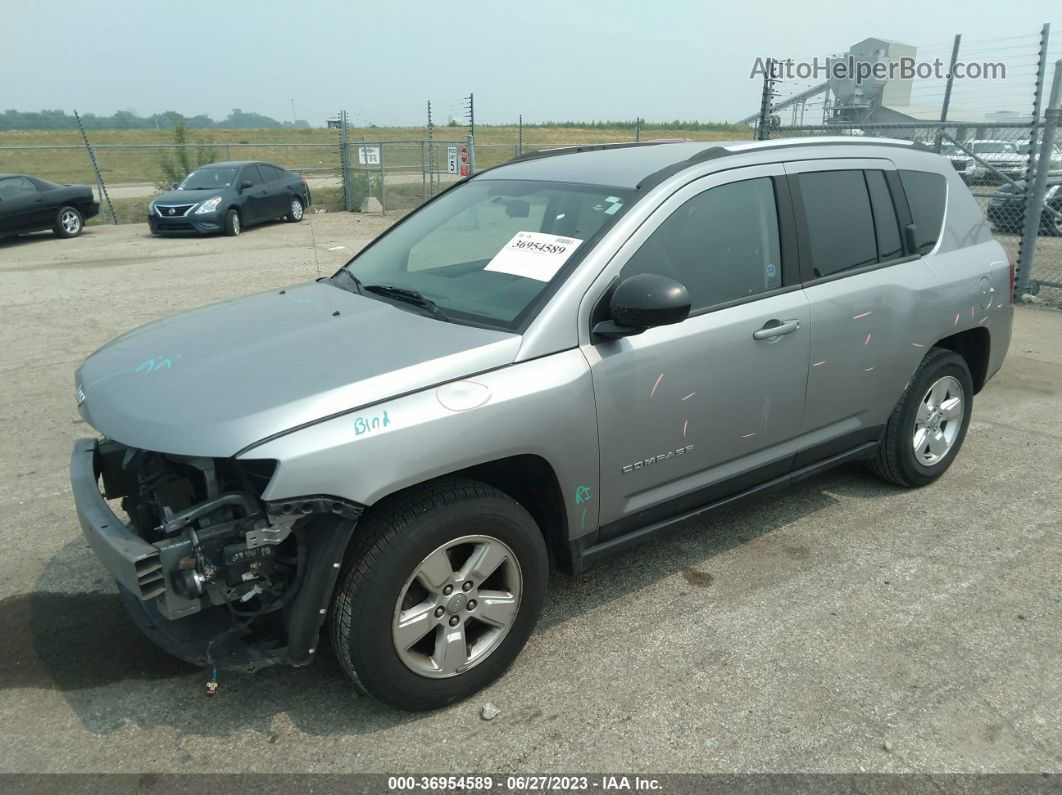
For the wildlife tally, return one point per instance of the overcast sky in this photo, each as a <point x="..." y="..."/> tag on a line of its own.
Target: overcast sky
<point x="546" y="59"/>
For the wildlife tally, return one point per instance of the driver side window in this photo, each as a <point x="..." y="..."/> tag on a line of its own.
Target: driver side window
<point x="722" y="244"/>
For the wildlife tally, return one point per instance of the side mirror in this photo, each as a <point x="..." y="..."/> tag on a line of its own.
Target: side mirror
<point x="246" y="184"/>
<point x="642" y="302"/>
<point x="910" y="237"/>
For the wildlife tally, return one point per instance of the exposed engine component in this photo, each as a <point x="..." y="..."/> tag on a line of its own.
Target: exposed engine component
<point x="218" y="544"/>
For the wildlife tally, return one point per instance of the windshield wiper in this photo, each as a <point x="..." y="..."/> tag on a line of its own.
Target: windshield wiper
<point x="408" y="296"/>
<point x="353" y="284"/>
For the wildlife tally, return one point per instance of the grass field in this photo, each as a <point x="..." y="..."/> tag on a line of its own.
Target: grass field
<point x="133" y="156"/>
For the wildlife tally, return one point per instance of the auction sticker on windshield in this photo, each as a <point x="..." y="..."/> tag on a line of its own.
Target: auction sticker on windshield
<point x="533" y="255"/>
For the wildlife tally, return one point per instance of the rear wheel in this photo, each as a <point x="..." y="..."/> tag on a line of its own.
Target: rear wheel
<point x="295" y="210"/>
<point x="928" y="425"/>
<point x="439" y="593"/>
<point x="232" y="223"/>
<point x="68" y="222"/>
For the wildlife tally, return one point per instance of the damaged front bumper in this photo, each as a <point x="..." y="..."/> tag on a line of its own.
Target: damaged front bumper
<point x="212" y="573"/>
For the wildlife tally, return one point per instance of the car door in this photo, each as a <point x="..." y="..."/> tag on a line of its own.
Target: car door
<point x="22" y="206"/>
<point x="872" y="304"/>
<point x="276" y="190"/>
<point x="255" y="197"/>
<point x="691" y="412"/>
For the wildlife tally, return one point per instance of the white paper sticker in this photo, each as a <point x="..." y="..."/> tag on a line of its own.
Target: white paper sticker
<point x="533" y="255"/>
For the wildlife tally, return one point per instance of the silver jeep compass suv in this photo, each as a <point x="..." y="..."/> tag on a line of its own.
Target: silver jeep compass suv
<point x="548" y="362"/>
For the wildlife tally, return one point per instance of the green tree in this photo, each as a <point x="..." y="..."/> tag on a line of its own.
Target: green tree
<point x="184" y="159"/>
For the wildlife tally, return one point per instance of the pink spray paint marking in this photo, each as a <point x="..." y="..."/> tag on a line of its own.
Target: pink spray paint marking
<point x="918" y="344"/>
<point x="867" y="369"/>
<point x="659" y="378"/>
<point x="685" y="425"/>
<point x="983" y="320"/>
<point x="818" y="363"/>
<point x="864" y="314"/>
<point x="956" y="318"/>
<point x="866" y="341"/>
<point x="747" y="435"/>
<point x="691" y="394"/>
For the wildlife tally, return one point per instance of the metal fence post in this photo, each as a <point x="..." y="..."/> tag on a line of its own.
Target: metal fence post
<point x="947" y="88"/>
<point x="520" y="136"/>
<point x="344" y="161"/>
<point x="763" y="129"/>
<point x="423" y="173"/>
<point x="1034" y="206"/>
<point x="1027" y="243"/>
<point x="104" y="197"/>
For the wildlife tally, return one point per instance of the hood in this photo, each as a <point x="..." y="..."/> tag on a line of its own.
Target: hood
<point x="214" y="380"/>
<point x="188" y="196"/>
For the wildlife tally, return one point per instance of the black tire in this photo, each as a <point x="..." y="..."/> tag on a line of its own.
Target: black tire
<point x="294" y="216"/>
<point x="389" y="545"/>
<point x="896" y="460"/>
<point x="232" y="222"/>
<point x="68" y="222"/>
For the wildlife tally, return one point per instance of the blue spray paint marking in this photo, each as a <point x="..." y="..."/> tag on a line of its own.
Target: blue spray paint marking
<point x="369" y="424"/>
<point x="154" y="364"/>
<point x="305" y="301"/>
<point x="582" y="494"/>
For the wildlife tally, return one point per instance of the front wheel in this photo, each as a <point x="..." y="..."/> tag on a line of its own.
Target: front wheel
<point x="232" y="223"/>
<point x="928" y="425"/>
<point x="295" y="210"/>
<point x="440" y="591"/>
<point x="68" y="222"/>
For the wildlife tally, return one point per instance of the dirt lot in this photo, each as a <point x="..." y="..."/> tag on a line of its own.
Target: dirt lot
<point x="841" y="625"/>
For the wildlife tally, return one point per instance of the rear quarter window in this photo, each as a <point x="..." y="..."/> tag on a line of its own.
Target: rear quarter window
<point x="926" y="195"/>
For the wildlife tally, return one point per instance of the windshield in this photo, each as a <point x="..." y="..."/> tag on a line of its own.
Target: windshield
<point x="485" y="251"/>
<point x="209" y="178"/>
<point x="993" y="148"/>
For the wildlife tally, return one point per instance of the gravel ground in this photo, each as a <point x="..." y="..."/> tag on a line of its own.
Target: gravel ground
<point x="840" y="625"/>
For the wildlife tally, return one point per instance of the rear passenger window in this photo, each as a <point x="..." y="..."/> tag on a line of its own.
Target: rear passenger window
<point x="269" y="173"/>
<point x="840" y="224"/>
<point x="925" y="194"/>
<point x="885" y="221"/>
<point x="722" y="244"/>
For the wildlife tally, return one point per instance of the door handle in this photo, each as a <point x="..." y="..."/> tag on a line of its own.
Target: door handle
<point x="776" y="328"/>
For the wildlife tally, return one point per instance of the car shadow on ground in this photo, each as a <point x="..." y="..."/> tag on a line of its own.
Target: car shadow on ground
<point x="29" y="238"/>
<point x="82" y="644"/>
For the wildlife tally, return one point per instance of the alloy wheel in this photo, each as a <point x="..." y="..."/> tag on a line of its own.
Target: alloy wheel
<point x="70" y="222"/>
<point x="296" y="210"/>
<point x="938" y="420"/>
<point x="457" y="606"/>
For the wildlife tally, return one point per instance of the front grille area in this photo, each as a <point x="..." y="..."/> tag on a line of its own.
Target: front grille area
<point x="164" y="210"/>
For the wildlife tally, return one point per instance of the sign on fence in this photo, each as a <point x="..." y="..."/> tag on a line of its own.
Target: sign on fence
<point x="369" y="155"/>
<point x="451" y="159"/>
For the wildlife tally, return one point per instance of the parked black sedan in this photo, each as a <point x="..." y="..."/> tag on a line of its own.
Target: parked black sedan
<point x="1006" y="208"/>
<point x="227" y="197"/>
<point x="30" y="204"/>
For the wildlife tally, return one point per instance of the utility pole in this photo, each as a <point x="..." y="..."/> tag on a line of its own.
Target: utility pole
<point x="293" y="119"/>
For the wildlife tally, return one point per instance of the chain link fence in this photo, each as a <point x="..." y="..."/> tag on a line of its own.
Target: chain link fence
<point x="1005" y="148"/>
